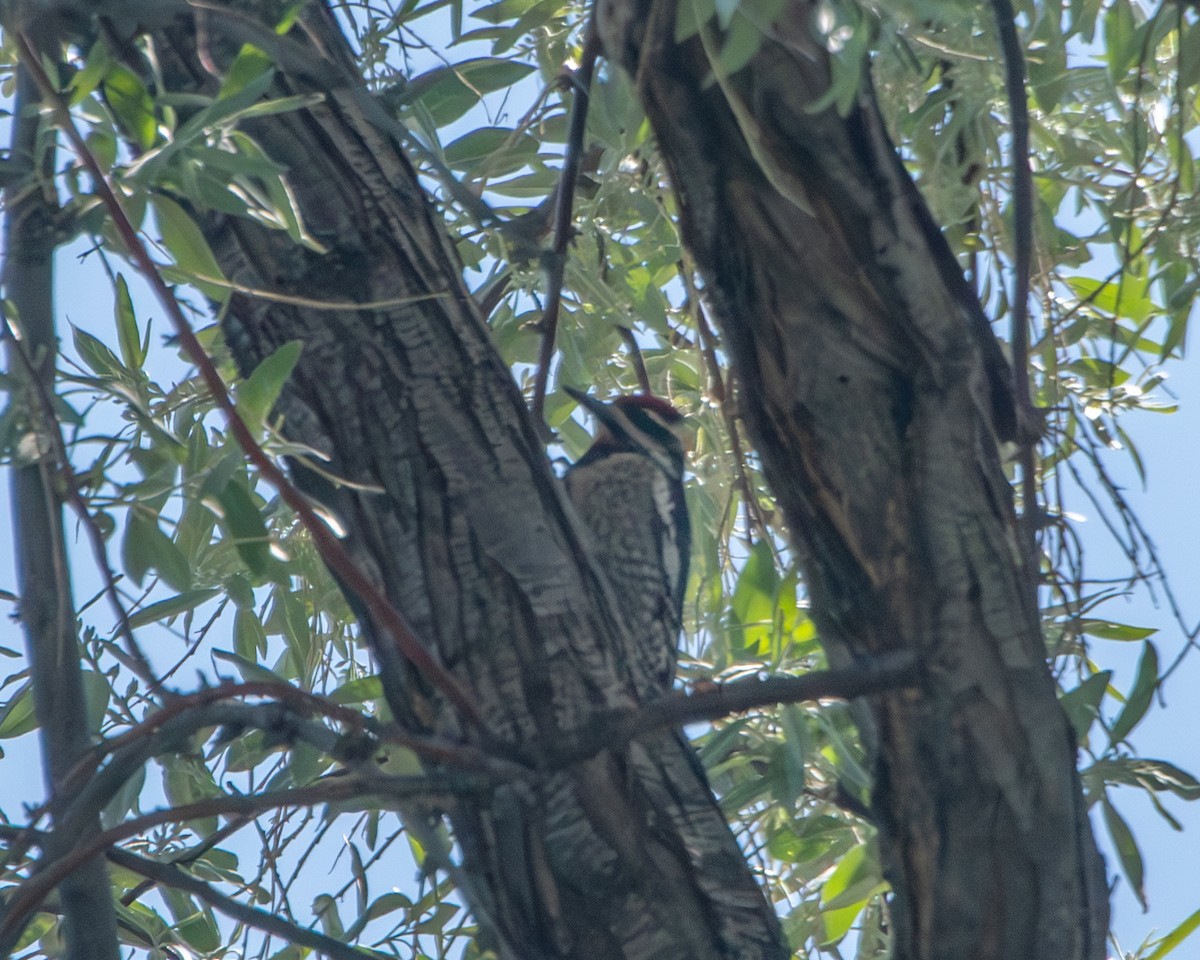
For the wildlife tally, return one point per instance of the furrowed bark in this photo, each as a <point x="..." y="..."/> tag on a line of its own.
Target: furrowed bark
<point x="875" y="395"/>
<point x="450" y="504"/>
<point x="46" y="609"/>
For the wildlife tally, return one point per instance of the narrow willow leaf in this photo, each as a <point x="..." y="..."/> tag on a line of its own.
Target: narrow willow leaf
<point x="1082" y="705"/>
<point x="187" y="245"/>
<point x="256" y="395"/>
<point x="171" y="607"/>
<point x="1140" y="697"/>
<point x="1127" y="851"/>
<point x="1173" y="939"/>
<point x="132" y="350"/>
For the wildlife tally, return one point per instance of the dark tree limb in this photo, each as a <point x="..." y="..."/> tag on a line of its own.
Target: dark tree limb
<point x="564" y="206"/>
<point x="879" y="395"/>
<point x="1023" y="241"/>
<point x="894" y="671"/>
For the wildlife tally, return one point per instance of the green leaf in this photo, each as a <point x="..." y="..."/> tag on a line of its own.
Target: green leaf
<point x="691" y="15"/>
<point x="1046" y="56"/>
<point x="1107" y="630"/>
<point x="249" y="638"/>
<point x="1126" y="296"/>
<point x="1176" y="937"/>
<point x="792" y="771"/>
<point x="243" y="521"/>
<point x="1127" y="851"/>
<point x="248" y="67"/>
<point x="358" y="691"/>
<point x="187" y="245"/>
<point x="256" y="395"/>
<point x="1189" y="56"/>
<point x="164" y="556"/>
<point x="132" y="105"/>
<point x="1082" y="705"/>
<point x="1140" y="697"/>
<point x="96" y="355"/>
<point x="96" y="693"/>
<point x="1120" y="39"/>
<point x="17" y="716"/>
<point x="132" y="350"/>
<point x="741" y="43"/>
<point x="835" y="924"/>
<point x="125" y="799"/>
<point x="449" y="92"/>
<point x="171" y="607"/>
<point x="248" y="668"/>
<point x="490" y="143"/>
<point x="754" y="598"/>
<point x="95" y="68"/>
<point x="854" y="881"/>
<point x="200" y="931"/>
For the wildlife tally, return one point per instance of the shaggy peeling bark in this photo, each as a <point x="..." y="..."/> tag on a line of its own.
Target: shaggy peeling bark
<point x="875" y="394"/>
<point x="451" y="506"/>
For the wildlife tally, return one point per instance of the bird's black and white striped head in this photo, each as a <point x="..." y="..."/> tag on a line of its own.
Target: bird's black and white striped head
<point x="636" y="423"/>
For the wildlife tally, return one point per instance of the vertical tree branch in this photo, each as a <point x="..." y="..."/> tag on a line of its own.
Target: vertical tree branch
<point x="47" y="609"/>
<point x="565" y="204"/>
<point x="1022" y="192"/>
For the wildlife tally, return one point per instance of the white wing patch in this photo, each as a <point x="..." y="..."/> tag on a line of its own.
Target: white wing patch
<point x="664" y="503"/>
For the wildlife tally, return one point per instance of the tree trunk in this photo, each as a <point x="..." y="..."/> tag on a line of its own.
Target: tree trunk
<point x="451" y="506"/>
<point x="47" y="607"/>
<point x="874" y="392"/>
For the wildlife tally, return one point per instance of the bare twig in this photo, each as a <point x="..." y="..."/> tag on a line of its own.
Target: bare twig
<point x="330" y="548"/>
<point x="582" y="82"/>
<point x="707" y="340"/>
<point x="635" y="355"/>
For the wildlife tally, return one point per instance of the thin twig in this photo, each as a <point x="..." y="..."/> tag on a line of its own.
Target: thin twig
<point x="582" y="83"/>
<point x="635" y="355"/>
<point x="330" y="548"/>
<point x="707" y="340"/>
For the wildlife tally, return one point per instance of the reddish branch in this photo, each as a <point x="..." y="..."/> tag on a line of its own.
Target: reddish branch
<point x="330" y="548"/>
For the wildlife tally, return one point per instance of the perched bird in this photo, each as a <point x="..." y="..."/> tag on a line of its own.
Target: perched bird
<point x="628" y="490"/>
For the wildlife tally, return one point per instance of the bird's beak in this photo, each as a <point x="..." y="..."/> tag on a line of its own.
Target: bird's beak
<point x="593" y="404"/>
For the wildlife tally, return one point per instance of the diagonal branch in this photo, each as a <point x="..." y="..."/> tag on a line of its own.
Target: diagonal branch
<point x="330" y="548"/>
<point x="169" y="875"/>
<point x="564" y="206"/>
